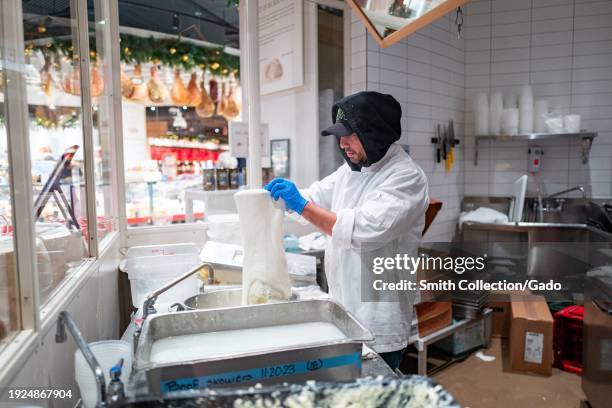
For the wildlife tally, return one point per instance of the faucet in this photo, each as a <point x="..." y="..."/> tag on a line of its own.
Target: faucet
<point x="148" y="307"/>
<point x="64" y="321"/>
<point x="569" y="190"/>
<point x="541" y="209"/>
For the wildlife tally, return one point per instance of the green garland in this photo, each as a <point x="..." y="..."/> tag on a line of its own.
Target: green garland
<point x="137" y="50"/>
<point x="175" y="53"/>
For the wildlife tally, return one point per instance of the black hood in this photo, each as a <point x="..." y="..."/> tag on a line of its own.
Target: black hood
<point x="375" y="118"/>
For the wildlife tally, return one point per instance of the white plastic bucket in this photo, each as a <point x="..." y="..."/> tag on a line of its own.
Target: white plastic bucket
<point x="107" y="353"/>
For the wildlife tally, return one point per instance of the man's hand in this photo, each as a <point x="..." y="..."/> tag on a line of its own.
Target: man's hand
<point x="285" y="189"/>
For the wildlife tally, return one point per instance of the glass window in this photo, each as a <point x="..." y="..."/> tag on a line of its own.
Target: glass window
<point x="9" y="299"/>
<point x="52" y="73"/>
<point x="180" y="89"/>
<point x="99" y="45"/>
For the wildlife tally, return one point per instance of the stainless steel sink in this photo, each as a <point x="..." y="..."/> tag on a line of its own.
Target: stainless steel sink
<point x="566" y="245"/>
<point x="216" y="299"/>
<point x="568" y="211"/>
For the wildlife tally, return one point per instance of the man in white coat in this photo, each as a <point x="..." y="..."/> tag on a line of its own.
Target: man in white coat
<point x="372" y="207"/>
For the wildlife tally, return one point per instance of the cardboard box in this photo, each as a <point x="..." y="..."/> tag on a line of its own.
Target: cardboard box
<point x="531" y="336"/>
<point x="500" y="320"/>
<point x="499" y="303"/>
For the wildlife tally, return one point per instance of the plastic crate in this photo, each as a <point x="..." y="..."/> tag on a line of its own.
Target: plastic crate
<point x="567" y="339"/>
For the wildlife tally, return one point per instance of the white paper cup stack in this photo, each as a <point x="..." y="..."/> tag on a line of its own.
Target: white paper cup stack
<point x="526" y="110"/>
<point x="539" y="119"/>
<point x="481" y="114"/>
<point x="571" y="123"/>
<point x="510" y="121"/>
<point x="496" y="109"/>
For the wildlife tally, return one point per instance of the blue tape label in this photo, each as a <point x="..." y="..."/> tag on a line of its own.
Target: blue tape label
<point x="262" y="373"/>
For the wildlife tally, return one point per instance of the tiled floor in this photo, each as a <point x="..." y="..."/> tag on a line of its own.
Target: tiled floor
<point x="475" y="383"/>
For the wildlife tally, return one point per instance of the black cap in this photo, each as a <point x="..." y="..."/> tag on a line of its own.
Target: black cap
<point x="340" y="127"/>
<point x="374" y="117"/>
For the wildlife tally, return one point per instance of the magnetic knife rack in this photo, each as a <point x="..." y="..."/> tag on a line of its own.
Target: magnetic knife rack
<point x="444" y="140"/>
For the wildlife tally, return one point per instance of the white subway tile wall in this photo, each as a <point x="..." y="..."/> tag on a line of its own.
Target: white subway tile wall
<point x="563" y="48"/>
<point x="358" y="54"/>
<point x="426" y="74"/>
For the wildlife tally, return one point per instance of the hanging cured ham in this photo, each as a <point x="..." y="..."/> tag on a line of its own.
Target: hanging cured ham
<point x="222" y="101"/>
<point x="232" y="110"/>
<point x="72" y="82"/>
<point x="97" y="82"/>
<point x="193" y="91"/>
<point x="139" y="92"/>
<point x="206" y="108"/>
<point x="46" y="80"/>
<point x="179" y="94"/>
<point x="127" y="87"/>
<point x="158" y="92"/>
<point x="213" y="90"/>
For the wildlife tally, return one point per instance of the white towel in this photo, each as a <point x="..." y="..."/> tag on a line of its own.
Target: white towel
<point x="483" y="215"/>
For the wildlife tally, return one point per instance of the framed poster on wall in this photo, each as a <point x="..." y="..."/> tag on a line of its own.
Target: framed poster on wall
<point x="281" y="45"/>
<point x="279" y="154"/>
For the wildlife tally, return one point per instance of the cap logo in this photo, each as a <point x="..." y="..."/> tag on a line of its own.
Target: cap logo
<point x="340" y="115"/>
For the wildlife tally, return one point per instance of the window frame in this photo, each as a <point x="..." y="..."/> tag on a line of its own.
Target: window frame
<point x="37" y="319"/>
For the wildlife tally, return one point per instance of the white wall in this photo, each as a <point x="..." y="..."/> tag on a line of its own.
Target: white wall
<point x="293" y="114"/>
<point x="95" y="309"/>
<point x="563" y="48"/>
<point x="425" y="73"/>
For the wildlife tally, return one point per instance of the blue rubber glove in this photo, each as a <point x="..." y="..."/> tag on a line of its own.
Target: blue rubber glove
<point x="285" y="189"/>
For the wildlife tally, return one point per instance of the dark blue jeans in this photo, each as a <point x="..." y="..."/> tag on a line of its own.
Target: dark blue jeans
<point x="393" y="358"/>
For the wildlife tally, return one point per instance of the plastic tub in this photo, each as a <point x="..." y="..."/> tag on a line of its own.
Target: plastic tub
<point x="224" y="228"/>
<point x="150" y="267"/>
<point x="108" y="353"/>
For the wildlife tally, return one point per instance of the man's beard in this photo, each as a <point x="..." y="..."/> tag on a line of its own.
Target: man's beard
<point x="356" y="159"/>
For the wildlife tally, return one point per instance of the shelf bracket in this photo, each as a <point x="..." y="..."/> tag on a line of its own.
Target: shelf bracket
<point x="587" y="142"/>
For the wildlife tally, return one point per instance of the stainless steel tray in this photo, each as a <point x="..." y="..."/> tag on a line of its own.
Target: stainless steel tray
<point x="328" y="361"/>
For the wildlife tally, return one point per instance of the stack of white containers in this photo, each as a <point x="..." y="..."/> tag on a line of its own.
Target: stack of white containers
<point x="526" y="110"/>
<point x="152" y="266"/>
<point x="496" y="109"/>
<point x="511" y="114"/>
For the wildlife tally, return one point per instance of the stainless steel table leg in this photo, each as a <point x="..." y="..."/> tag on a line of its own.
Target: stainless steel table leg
<point x="422" y="358"/>
<point x="188" y="208"/>
<point x="487" y="328"/>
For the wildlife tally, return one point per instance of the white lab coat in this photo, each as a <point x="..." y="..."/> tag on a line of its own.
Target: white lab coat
<point x="380" y="213"/>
